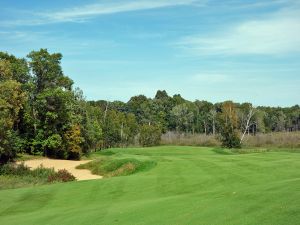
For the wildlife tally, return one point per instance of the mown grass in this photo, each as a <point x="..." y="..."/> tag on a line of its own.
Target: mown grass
<point x="189" y="185"/>
<point x="109" y="167"/>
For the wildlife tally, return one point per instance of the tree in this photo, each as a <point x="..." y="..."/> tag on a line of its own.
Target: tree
<point x="249" y="111"/>
<point x="150" y="135"/>
<point x="73" y="140"/>
<point x="12" y="99"/>
<point x="134" y="106"/>
<point x="182" y="117"/>
<point x="204" y="118"/>
<point x="229" y="123"/>
<point x="47" y="70"/>
<point x="53" y="106"/>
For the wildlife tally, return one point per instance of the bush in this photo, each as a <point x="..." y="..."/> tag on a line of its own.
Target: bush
<point x="19" y="175"/>
<point x="15" y="170"/>
<point x="150" y="135"/>
<point x="230" y="139"/>
<point x="61" y="176"/>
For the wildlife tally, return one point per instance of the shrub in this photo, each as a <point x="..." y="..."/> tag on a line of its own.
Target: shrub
<point x="15" y="170"/>
<point x="228" y="121"/>
<point x="61" y="176"/>
<point x="150" y="135"/>
<point x="230" y="139"/>
<point x="19" y="175"/>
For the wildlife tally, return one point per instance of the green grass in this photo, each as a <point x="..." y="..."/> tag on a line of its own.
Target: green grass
<point x="189" y="185"/>
<point x="110" y="167"/>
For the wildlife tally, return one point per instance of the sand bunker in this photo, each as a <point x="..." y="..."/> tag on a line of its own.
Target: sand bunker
<point x="64" y="164"/>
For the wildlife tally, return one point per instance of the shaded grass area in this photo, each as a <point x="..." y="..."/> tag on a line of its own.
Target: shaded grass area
<point x="189" y="185"/>
<point x="24" y="157"/>
<point x="109" y="167"/>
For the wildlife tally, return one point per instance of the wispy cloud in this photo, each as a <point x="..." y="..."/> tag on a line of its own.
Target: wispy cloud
<point x="85" y="12"/>
<point x="210" y="77"/>
<point x="275" y="34"/>
<point x="111" y="8"/>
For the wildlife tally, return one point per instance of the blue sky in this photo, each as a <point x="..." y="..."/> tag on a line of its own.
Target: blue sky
<point x="203" y="49"/>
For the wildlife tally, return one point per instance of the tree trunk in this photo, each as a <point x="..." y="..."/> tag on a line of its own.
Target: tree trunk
<point x="251" y="113"/>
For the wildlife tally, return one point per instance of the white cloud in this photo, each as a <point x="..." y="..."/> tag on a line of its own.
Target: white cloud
<point x="111" y="8"/>
<point x="210" y="78"/>
<point x="276" y="34"/>
<point x="84" y="12"/>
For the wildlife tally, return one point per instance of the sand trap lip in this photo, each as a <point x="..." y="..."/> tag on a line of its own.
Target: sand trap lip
<point x="69" y="165"/>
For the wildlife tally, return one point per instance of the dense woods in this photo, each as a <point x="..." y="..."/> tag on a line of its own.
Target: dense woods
<point x="41" y="113"/>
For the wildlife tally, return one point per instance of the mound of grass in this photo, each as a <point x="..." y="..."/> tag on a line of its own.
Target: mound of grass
<point x="106" y="152"/>
<point x="109" y="167"/>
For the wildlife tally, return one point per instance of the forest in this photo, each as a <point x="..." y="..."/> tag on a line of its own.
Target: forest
<point x="42" y="113"/>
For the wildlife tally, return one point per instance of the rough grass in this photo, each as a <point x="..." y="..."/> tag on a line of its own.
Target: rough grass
<point x="109" y="167"/>
<point x="16" y="176"/>
<point x="189" y="185"/>
<point x="187" y="139"/>
<point x="276" y="139"/>
<point x="24" y="157"/>
<point x="268" y="140"/>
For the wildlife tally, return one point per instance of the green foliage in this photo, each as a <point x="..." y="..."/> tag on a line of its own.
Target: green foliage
<point x="73" y="140"/>
<point x="110" y="167"/>
<point x="12" y="99"/>
<point x="53" y="146"/>
<point x="228" y="122"/>
<point x="150" y="135"/>
<point x="56" y="128"/>
<point x="183" y="117"/>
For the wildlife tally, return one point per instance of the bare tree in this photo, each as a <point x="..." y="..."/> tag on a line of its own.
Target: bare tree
<point x="213" y="112"/>
<point x="247" y="124"/>
<point x="105" y="112"/>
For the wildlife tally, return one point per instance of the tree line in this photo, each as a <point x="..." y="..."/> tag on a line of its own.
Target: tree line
<point x="41" y="113"/>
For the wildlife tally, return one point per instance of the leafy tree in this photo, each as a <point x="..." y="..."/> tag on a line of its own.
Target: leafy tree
<point x="182" y="117"/>
<point x="229" y="124"/>
<point x="12" y="99"/>
<point x="53" y="105"/>
<point x="47" y="70"/>
<point x="18" y="67"/>
<point x="150" y="135"/>
<point x="73" y="140"/>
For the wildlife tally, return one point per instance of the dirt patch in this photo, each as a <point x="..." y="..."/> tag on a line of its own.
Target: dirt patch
<point x="69" y="165"/>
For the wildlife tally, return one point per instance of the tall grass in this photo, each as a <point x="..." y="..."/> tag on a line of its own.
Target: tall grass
<point x="275" y="139"/>
<point x="187" y="139"/>
<point x="18" y="175"/>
